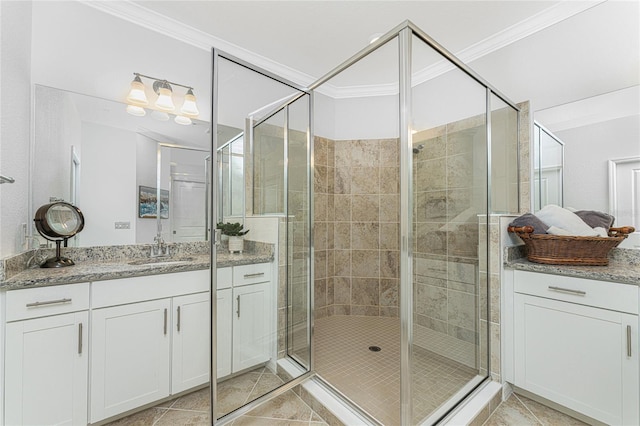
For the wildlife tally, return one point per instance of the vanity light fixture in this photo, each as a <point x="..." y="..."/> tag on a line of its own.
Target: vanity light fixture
<point x="136" y="94"/>
<point x="164" y="91"/>
<point x="136" y="110"/>
<point x="137" y="99"/>
<point x="189" y="107"/>
<point x="181" y="119"/>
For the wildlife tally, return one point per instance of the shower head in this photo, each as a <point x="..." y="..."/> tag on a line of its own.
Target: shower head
<point x="418" y="148"/>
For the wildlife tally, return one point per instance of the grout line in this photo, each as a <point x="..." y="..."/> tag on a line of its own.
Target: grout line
<point x="163" y="414"/>
<point x="246" y="399"/>
<point x="527" y="408"/>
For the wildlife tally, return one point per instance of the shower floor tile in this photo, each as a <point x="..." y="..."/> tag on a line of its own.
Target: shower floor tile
<point x="372" y="379"/>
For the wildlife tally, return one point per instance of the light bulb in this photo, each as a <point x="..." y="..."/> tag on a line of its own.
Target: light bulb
<point x="137" y="95"/>
<point x="189" y="106"/>
<point x="164" y="101"/>
<point x="138" y="111"/>
<point x="160" y="115"/>
<point x="185" y="121"/>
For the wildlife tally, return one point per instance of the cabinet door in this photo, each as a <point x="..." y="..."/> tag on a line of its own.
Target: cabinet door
<point x="190" y="362"/>
<point x="130" y="356"/>
<point x="224" y="323"/>
<point x="46" y="371"/>
<point x="581" y="357"/>
<point x="250" y="326"/>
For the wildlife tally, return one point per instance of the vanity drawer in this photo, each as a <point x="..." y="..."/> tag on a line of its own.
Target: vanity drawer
<point x="45" y="301"/>
<point x="251" y="274"/>
<point x="141" y="289"/>
<point x="224" y="278"/>
<point x="600" y="294"/>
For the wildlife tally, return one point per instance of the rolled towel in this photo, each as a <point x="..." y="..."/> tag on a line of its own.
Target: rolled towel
<point x="528" y="219"/>
<point x="596" y="219"/>
<point x="554" y="230"/>
<point x="554" y="215"/>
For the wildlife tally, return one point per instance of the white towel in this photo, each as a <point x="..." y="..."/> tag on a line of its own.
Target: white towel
<point x="554" y="230"/>
<point x="561" y="218"/>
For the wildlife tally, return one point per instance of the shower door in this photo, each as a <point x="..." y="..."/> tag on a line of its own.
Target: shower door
<point x="267" y="316"/>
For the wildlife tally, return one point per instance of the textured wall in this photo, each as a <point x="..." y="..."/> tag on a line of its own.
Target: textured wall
<point x="356" y="227"/>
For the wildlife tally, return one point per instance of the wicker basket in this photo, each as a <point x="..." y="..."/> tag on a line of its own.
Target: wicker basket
<point x="569" y="250"/>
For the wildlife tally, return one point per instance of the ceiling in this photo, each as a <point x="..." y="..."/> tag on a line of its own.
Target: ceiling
<point x="549" y="52"/>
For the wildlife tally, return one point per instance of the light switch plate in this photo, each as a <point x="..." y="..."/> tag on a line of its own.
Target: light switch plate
<point x="123" y="225"/>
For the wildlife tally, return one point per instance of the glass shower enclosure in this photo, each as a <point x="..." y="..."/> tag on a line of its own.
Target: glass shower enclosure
<point x="387" y="193"/>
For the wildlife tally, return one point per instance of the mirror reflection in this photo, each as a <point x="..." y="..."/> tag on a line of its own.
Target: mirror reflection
<point x="231" y="179"/>
<point x="90" y="152"/>
<point x="548" y="168"/>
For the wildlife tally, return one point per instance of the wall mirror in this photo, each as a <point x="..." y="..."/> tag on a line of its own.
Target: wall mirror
<point x="231" y="180"/>
<point x="548" y="168"/>
<point x="90" y="152"/>
<point x="596" y="133"/>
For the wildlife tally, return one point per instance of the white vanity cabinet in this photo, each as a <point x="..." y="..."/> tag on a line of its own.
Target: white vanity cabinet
<point x="190" y="356"/>
<point x="46" y="355"/>
<point x="243" y="317"/>
<point x="149" y="339"/>
<point x="576" y="344"/>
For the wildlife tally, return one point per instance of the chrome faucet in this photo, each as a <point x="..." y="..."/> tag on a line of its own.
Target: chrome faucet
<point x="160" y="248"/>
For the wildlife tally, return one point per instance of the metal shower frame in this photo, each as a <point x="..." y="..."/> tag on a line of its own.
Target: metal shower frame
<point x="404" y="33"/>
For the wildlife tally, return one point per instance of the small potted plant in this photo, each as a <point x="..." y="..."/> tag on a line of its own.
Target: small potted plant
<point x="235" y="233"/>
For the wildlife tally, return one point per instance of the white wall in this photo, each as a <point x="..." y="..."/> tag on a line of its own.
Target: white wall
<point x="78" y="48"/>
<point x="587" y="150"/>
<point x="15" y="121"/>
<point x="109" y="192"/>
<point x="58" y="127"/>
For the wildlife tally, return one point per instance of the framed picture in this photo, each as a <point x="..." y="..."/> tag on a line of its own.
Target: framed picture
<point x="148" y="201"/>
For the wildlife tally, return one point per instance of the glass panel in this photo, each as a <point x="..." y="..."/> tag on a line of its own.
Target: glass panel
<point x="298" y="233"/>
<point x="268" y="165"/>
<point x="450" y="202"/>
<point x="252" y="322"/>
<point x="504" y="157"/>
<point x="549" y="168"/>
<point x="231" y="180"/>
<point x="537" y="198"/>
<point x="356" y="236"/>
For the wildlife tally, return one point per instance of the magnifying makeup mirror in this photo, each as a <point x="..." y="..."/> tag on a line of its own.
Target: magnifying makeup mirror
<point x="58" y="222"/>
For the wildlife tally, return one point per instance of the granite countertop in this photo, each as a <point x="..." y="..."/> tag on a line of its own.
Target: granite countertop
<point x="124" y="267"/>
<point x="624" y="267"/>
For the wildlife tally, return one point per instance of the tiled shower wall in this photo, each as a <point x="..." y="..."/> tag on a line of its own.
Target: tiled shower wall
<point x="449" y="180"/>
<point x="448" y="300"/>
<point x="356" y="227"/>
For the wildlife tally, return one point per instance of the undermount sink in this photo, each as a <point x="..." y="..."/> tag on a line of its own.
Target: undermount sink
<point x="161" y="261"/>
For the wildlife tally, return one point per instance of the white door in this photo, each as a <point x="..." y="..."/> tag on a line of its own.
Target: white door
<point x="130" y="355"/>
<point x="250" y="326"/>
<point x="624" y="196"/>
<point x="47" y="381"/>
<point x="581" y="357"/>
<point x="190" y="363"/>
<point x="188" y="211"/>
<point x="223" y="329"/>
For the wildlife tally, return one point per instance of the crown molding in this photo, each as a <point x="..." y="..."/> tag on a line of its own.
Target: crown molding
<point x="538" y="22"/>
<point x="151" y="20"/>
<point x="170" y="27"/>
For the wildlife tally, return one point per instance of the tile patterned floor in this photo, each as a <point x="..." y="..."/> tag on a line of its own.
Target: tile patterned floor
<point x="193" y="409"/>
<point x="522" y="411"/>
<point x="372" y="379"/>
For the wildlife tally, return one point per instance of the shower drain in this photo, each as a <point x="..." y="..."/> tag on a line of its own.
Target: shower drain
<point x="375" y="348"/>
